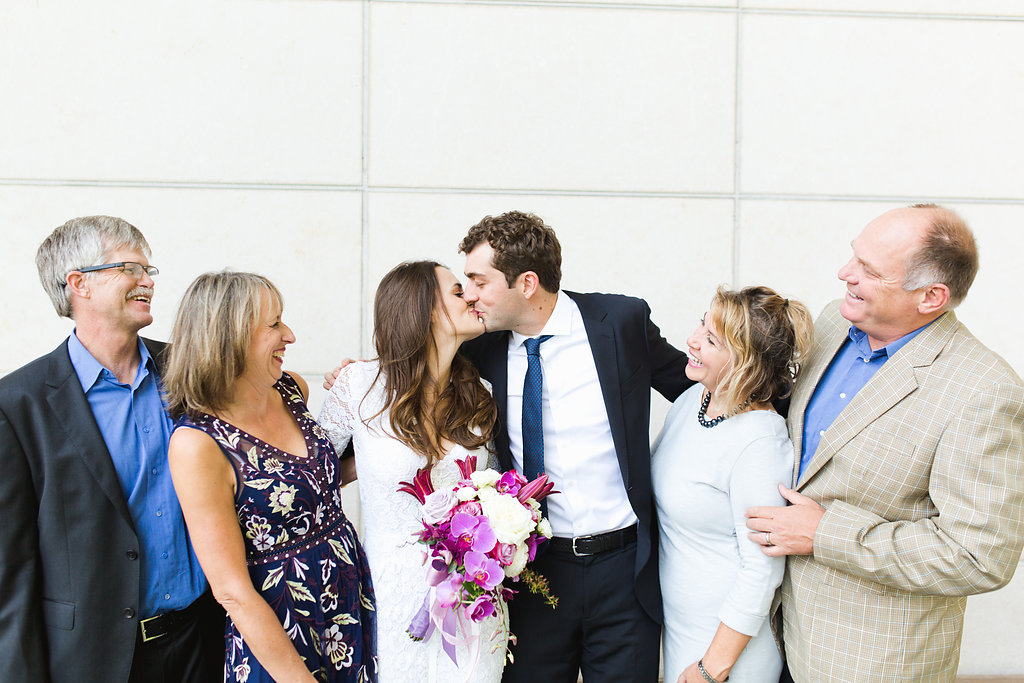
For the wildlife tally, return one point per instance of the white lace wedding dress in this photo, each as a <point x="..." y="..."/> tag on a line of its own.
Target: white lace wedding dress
<point x="390" y="522"/>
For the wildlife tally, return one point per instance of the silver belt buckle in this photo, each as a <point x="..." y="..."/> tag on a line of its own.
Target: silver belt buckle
<point x="145" y="637"/>
<point x="576" y="552"/>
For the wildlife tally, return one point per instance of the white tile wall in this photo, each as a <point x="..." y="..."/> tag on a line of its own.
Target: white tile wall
<point x="495" y="96"/>
<point x="863" y="106"/>
<point x="222" y="91"/>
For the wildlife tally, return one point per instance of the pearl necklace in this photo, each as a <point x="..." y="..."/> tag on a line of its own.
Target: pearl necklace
<point x="718" y="420"/>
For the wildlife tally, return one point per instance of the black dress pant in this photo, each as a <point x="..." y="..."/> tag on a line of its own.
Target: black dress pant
<point x="598" y="628"/>
<point x="192" y="652"/>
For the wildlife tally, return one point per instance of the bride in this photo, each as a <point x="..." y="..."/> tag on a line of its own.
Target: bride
<point x="417" y="404"/>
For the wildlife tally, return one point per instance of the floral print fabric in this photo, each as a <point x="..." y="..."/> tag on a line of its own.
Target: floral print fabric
<point x="302" y="552"/>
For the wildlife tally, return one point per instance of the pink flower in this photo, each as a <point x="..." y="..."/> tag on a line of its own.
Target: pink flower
<point x="471" y="507"/>
<point x="467" y="467"/>
<point x="482" y="570"/>
<point x="449" y="591"/>
<point x="480" y="609"/>
<point x="437" y="506"/>
<point x="503" y="553"/>
<point x="471" y="532"/>
<point x="536" y="489"/>
<point x="420" y="486"/>
<point x="508" y="483"/>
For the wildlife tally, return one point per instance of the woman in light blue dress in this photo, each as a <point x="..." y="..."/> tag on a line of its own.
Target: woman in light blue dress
<point x="723" y="449"/>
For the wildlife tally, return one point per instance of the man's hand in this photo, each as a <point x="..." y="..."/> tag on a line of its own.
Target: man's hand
<point x="785" y="530"/>
<point x="332" y="376"/>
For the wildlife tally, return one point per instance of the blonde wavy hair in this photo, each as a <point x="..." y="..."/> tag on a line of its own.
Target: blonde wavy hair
<point x="210" y="340"/>
<point x="768" y="337"/>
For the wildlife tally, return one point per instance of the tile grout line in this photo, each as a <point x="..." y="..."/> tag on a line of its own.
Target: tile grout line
<point x="364" y="190"/>
<point x="365" y="187"/>
<point x="669" y="7"/>
<point x="737" y="151"/>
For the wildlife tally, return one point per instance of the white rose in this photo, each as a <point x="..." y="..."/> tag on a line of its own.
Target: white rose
<point x="437" y="505"/>
<point x="482" y="478"/>
<point x="544" y="528"/>
<point x="511" y="522"/>
<point x="466" y="493"/>
<point x="518" y="561"/>
<point x="487" y="494"/>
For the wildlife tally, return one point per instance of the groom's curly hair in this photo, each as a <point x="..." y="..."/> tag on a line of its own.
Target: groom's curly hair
<point x="522" y="242"/>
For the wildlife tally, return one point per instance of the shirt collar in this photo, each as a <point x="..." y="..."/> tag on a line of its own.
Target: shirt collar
<point x="559" y="322"/>
<point x="89" y="370"/>
<point x="859" y="338"/>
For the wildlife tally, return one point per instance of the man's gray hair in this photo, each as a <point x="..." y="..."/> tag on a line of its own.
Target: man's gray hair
<point x="81" y="242"/>
<point x="948" y="255"/>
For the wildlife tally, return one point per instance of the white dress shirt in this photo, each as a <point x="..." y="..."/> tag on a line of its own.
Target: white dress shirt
<point x="579" y="454"/>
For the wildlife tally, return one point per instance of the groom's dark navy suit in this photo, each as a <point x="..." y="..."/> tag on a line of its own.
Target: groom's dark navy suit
<point x="631" y="358"/>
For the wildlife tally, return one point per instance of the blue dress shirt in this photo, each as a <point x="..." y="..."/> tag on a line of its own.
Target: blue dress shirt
<point x="136" y="429"/>
<point x="849" y="371"/>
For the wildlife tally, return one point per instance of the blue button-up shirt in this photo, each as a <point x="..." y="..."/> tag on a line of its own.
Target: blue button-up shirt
<point x="136" y="429"/>
<point x="850" y="370"/>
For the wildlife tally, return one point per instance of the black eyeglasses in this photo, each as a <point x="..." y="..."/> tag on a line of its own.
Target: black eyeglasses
<point x="129" y="268"/>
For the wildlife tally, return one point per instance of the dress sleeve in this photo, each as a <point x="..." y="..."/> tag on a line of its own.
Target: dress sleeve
<point x="763" y="464"/>
<point x="340" y="411"/>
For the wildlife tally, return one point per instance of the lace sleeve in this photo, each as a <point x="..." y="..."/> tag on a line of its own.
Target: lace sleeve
<point x="339" y="414"/>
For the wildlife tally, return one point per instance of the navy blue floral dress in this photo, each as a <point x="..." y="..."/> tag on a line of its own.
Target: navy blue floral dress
<point x="302" y="552"/>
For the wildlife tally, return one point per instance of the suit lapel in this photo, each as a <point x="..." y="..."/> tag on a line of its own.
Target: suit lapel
<point x="601" y="336"/>
<point x="893" y="382"/>
<point x="831" y="335"/>
<point x="67" y="400"/>
<point x="493" y="366"/>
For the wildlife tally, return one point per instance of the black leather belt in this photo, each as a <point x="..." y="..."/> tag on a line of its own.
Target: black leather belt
<point x="580" y="546"/>
<point x="162" y="624"/>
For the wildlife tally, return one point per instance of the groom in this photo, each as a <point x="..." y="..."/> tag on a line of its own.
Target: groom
<point x="596" y="359"/>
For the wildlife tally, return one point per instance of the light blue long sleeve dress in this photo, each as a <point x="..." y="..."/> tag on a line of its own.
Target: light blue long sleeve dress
<point x="704" y="481"/>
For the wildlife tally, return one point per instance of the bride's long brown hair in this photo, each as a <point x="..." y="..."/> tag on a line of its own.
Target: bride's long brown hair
<point x="423" y="414"/>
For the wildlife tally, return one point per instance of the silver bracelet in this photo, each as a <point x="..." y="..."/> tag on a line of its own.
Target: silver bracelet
<point x="706" y="675"/>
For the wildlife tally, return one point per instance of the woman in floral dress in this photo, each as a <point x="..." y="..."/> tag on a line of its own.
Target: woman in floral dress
<point x="259" y="486"/>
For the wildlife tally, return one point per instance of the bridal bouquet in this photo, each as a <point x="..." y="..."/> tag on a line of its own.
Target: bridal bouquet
<point x="478" y="532"/>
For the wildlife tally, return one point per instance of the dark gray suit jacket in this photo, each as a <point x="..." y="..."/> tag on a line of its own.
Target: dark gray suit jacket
<point x="631" y="358"/>
<point x="69" y="555"/>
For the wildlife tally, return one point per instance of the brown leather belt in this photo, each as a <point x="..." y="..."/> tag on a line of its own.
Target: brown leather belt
<point x="581" y="546"/>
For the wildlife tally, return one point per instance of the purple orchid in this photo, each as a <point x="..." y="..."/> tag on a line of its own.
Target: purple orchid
<point x="532" y="543"/>
<point x="482" y="570"/>
<point x="480" y="609"/>
<point x="509" y="483"/>
<point x="449" y="591"/>
<point x="472" y="533"/>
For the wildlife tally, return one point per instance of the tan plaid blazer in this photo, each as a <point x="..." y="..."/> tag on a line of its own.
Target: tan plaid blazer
<point x="922" y="480"/>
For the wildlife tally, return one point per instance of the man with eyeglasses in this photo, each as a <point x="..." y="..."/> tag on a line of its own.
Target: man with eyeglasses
<point x="98" y="581"/>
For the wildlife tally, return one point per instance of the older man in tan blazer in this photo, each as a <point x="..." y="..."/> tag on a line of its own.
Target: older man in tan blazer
<point x="909" y="467"/>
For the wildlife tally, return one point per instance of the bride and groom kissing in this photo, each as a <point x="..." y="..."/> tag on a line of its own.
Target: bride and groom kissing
<point x="570" y="375"/>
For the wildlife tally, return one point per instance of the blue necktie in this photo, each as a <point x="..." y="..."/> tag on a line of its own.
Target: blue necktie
<point x="533" y="426"/>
